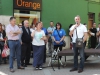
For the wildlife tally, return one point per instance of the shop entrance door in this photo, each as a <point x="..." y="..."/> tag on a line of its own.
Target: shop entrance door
<point x="32" y="16"/>
<point x="91" y="19"/>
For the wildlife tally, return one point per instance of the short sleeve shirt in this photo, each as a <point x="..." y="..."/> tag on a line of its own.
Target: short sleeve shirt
<point x="57" y="37"/>
<point x="51" y="29"/>
<point x="13" y="29"/>
<point x="37" y="38"/>
<point x="81" y="29"/>
<point x="45" y="31"/>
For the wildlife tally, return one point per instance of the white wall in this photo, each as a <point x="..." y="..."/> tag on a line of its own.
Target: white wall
<point x="67" y="40"/>
<point x="4" y="19"/>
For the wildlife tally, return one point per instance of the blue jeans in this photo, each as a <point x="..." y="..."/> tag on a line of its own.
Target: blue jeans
<point x="15" y="46"/>
<point x="81" y="52"/>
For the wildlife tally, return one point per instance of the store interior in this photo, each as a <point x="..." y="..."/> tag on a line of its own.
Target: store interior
<point x="31" y="16"/>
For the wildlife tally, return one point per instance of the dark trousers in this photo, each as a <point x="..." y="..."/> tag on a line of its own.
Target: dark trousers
<point x="93" y="42"/>
<point x="56" y="47"/>
<point x="38" y="55"/>
<point x="81" y="52"/>
<point x="44" y="59"/>
<point x="25" y="53"/>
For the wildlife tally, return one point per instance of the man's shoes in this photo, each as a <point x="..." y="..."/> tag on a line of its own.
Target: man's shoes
<point x="12" y="70"/>
<point x="40" y="68"/>
<point x="28" y="64"/>
<point x="24" y="65"/>
<point x="36" y="68"/>
<point x="73" y="69"/>
<point x="80" y="70"/>
<point x="21" y="67"/>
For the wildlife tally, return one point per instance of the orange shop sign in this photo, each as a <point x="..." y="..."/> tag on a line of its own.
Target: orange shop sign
<point x="28" y="4"/>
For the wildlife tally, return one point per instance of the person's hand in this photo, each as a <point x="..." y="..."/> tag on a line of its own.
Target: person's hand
<point x="45" y="41"/>
<point x="14" y="35"/>
<point x="1" y="39"/>
<point x="99" y="32"/>
<point x="42" y="38"/>
<point x="50" y="32"/>
<point x="75" y="26"/>
<point x="92" y="34"/>
<point x="57" y="42"/>
<point x="11" y="32"/>
<point x="21" y="43"/>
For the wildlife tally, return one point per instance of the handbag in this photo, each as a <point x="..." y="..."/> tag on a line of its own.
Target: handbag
<point x="6" y="51"/>
<point x="79" y="41"/>
<point x="64" y="43"/>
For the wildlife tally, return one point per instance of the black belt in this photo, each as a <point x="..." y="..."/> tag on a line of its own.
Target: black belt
<point x="13" y="40"/>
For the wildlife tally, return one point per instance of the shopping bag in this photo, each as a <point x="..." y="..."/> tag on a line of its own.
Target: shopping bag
<point x="6" y="51"/>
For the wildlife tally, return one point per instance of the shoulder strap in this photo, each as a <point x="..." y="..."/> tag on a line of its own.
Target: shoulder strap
<point x="58" y="34"/>
<point x="76" y="33"/>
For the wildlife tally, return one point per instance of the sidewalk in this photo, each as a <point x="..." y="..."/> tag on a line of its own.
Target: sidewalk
<point x="92" y="67"/>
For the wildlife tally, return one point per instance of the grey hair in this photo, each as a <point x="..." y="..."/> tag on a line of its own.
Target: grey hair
<point x="77" y="16"/>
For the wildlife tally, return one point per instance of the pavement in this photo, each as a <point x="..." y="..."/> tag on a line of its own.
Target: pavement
<point x="92" y="67"/>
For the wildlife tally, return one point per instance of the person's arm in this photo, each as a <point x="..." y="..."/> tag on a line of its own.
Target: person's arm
<point x="57" y="42"/>
<point x="98" y="33"/>
<point x="17" y="32"/>
<point x="32" y="34"/>
<point x="20" y="35"/>
<point x="85" y="34"/>
<point x="4" y="34"/>
<point x="72" y="30"/>
<point x="8" y="31"/>
<point x="44" y="36"/>
<point x="53" y="38"/>
<point x="63" y="36"/>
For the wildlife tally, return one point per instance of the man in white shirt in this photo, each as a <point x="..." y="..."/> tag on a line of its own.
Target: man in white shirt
<point x="78" y="31"/>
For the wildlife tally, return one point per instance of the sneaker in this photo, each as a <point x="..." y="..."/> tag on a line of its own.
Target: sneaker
<point x="36" y="68"/>
<point x="40" y="68"/>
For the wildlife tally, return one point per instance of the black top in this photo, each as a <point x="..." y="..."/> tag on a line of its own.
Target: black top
<point x="3" y="34"/>
<point x="26" y="36"/>
<point x="93" y="30"/>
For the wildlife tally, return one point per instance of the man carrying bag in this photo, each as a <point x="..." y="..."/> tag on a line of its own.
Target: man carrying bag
<point x="79" y="32"/>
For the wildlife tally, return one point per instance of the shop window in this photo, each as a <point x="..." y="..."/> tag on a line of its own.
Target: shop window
<point x="32" y="16"/>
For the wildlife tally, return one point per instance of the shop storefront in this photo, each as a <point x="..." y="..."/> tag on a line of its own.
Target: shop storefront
<point x="27" y="9"/>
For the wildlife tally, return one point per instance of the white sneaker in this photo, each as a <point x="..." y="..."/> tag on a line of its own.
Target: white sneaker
<point x="92" y="55"/>
<point x="40" y="68"/>
<point x="36" y="68"/>
<point x="98" y="56"/>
